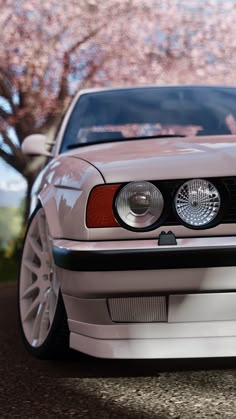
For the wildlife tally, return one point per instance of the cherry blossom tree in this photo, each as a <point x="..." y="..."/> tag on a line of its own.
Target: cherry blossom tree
<point x="46" y="49"/>
<point x="51" y="49"/>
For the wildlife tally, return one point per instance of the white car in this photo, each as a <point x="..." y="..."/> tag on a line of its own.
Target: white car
<point x="130" y="250"/>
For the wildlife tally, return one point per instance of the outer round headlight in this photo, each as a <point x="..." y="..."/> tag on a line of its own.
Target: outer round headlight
<point x="197" y="202"/>
<point x="139" y="204"/>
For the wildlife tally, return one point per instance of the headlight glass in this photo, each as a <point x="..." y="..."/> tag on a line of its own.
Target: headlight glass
<point x="197" y="202"/>
<point x="139" y="204"/>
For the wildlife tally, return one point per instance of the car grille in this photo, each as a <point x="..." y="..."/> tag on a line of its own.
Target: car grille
<point x="230" y="216"/>
<point x="138" y="309"/>
<point x="227" y="184"/>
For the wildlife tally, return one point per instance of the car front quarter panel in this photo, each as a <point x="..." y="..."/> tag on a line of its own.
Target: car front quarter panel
<point x="65" y="188"/>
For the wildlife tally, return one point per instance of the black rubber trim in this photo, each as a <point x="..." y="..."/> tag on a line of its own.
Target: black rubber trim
<point x="144" y="259"/>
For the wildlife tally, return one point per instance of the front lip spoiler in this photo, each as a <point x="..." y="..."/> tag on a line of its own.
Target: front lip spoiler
<point x="144" y="259"/>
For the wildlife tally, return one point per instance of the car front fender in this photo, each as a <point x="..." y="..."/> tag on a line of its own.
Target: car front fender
<point x="64" y="191"/>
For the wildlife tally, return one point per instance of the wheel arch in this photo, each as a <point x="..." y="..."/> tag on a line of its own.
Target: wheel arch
<point x="64" y="191"/>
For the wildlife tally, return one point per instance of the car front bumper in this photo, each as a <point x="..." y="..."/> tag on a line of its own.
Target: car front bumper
<point x="196" y="279"/>
<point x="145" y="254"/>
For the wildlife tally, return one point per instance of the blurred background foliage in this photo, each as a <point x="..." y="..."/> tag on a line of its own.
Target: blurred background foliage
<point x="11" y="239"/>
<point x="52" y="48"/>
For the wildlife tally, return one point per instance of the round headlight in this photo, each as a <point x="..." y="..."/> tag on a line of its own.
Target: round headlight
<point x="139" y="204"/>
<point x="197" y="202"/>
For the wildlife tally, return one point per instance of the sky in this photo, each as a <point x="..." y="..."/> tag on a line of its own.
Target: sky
<point x="8" y="174"/>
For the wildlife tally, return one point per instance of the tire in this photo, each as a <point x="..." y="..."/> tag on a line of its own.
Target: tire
<point x="41" y="311"/>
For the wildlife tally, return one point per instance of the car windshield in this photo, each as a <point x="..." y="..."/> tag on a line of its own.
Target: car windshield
<point x="123" y="114"/>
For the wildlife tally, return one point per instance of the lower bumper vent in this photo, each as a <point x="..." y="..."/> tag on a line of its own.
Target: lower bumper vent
<point x="138" y="309"/>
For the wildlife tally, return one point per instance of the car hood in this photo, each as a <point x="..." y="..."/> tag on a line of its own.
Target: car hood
<point x="162" y="158"/>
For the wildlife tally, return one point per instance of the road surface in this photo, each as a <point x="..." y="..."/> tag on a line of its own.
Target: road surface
<point x="85" y="387"/>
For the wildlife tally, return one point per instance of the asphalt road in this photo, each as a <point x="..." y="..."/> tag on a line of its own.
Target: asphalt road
<point x="84" y="387"/>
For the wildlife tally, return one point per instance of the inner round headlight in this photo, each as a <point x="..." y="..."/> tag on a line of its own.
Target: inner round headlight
<point x="197" y="202"/>
<point x="139" y="204"/>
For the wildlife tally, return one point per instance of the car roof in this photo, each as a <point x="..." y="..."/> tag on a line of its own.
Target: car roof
<point x="115" y="88"/>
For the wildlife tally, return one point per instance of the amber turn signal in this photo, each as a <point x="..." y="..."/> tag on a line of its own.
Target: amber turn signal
<point x="100" y="207"/>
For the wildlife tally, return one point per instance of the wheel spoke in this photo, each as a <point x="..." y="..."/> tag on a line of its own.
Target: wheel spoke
<point x="35" y="246"/>
<point x="49" y="239"/>
<point x="30" y="312"/>
<point x="29" y="292"/>
<point x="31" y="266"/>
<point x="45" y="322"/>
<point x="36" y="325"/>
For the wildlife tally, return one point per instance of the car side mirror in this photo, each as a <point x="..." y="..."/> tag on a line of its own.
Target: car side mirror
<point x="37" y="144"/>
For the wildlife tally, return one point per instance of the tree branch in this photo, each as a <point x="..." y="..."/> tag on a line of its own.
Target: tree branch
<point x="6" y="88"/>
<point x="93" y="70"/>
<point x="63" y="90"/>
<point x="85" y="39"/>
<point x="6" y="91"/>
<point x="7" y="158"/>
<point x="16" y="151"/>
<point x="22" y="125"/>
<point x="6" y="21"/>
<point x="4" y="115"/>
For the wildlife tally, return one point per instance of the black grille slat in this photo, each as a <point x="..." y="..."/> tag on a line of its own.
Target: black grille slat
<point x="230" y="215"/>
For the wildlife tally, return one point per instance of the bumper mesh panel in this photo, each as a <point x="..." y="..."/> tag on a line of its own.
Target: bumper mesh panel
<point x="138" y="309"/>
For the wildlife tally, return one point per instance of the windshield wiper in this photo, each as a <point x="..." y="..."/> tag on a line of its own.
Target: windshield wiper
<point x="156" y="136"/>
<point x="71" y="146"/>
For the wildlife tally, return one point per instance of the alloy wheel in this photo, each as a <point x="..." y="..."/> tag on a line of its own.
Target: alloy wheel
<point x="39" y="286"/>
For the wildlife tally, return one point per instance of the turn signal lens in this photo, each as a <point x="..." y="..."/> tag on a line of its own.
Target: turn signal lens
<point x="99" y="208"/>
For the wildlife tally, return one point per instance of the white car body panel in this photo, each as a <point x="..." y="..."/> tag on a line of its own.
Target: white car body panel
<point x="201" y="309"/>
